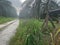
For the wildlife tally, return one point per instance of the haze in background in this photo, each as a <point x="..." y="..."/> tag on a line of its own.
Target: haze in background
<point x="17" y="4"/>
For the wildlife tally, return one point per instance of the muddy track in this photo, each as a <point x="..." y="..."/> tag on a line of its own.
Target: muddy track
<point x="8" y="32"/>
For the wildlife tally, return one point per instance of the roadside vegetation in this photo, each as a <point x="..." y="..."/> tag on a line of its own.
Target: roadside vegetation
<point x="25" y="31"/>
<point x="7" y="11"/>
<point x="5" y="19"/>
<point x="34" y="31"/>
<point x="29" y="32"/>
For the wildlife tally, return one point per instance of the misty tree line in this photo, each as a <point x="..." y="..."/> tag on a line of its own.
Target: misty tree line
<point x="38" y="9"/>
<point x="26" y="9"/>
<point x="6" y="9"/>
<point x="30" y="9"/>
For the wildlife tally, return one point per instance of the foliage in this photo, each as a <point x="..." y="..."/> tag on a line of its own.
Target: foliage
<point x="6" y="9"/>
<point x="5" y="19"/>
<point x="28" y="33"/>
<point x="54" y="36"/>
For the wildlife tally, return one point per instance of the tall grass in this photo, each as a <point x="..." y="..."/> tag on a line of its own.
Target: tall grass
<point x="28" y="33"/>
<point x="5" y="19"/>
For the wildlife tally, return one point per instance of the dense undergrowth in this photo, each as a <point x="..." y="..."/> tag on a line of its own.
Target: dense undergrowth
<point x="29" y="33"/>
<point x="5" y="19"/>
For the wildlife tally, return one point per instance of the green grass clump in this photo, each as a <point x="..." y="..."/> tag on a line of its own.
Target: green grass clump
<point x="5" y="19"/>
<point x="28" y="33"/>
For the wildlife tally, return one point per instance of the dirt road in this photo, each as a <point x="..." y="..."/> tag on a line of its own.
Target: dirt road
<point x="8" y="32"/>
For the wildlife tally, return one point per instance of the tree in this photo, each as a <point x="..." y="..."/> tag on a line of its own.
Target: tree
<point x="6" y="9"/>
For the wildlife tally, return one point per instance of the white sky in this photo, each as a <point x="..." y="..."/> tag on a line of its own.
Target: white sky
<point x="58" y="0"/>
<point x="22" y="1"/>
